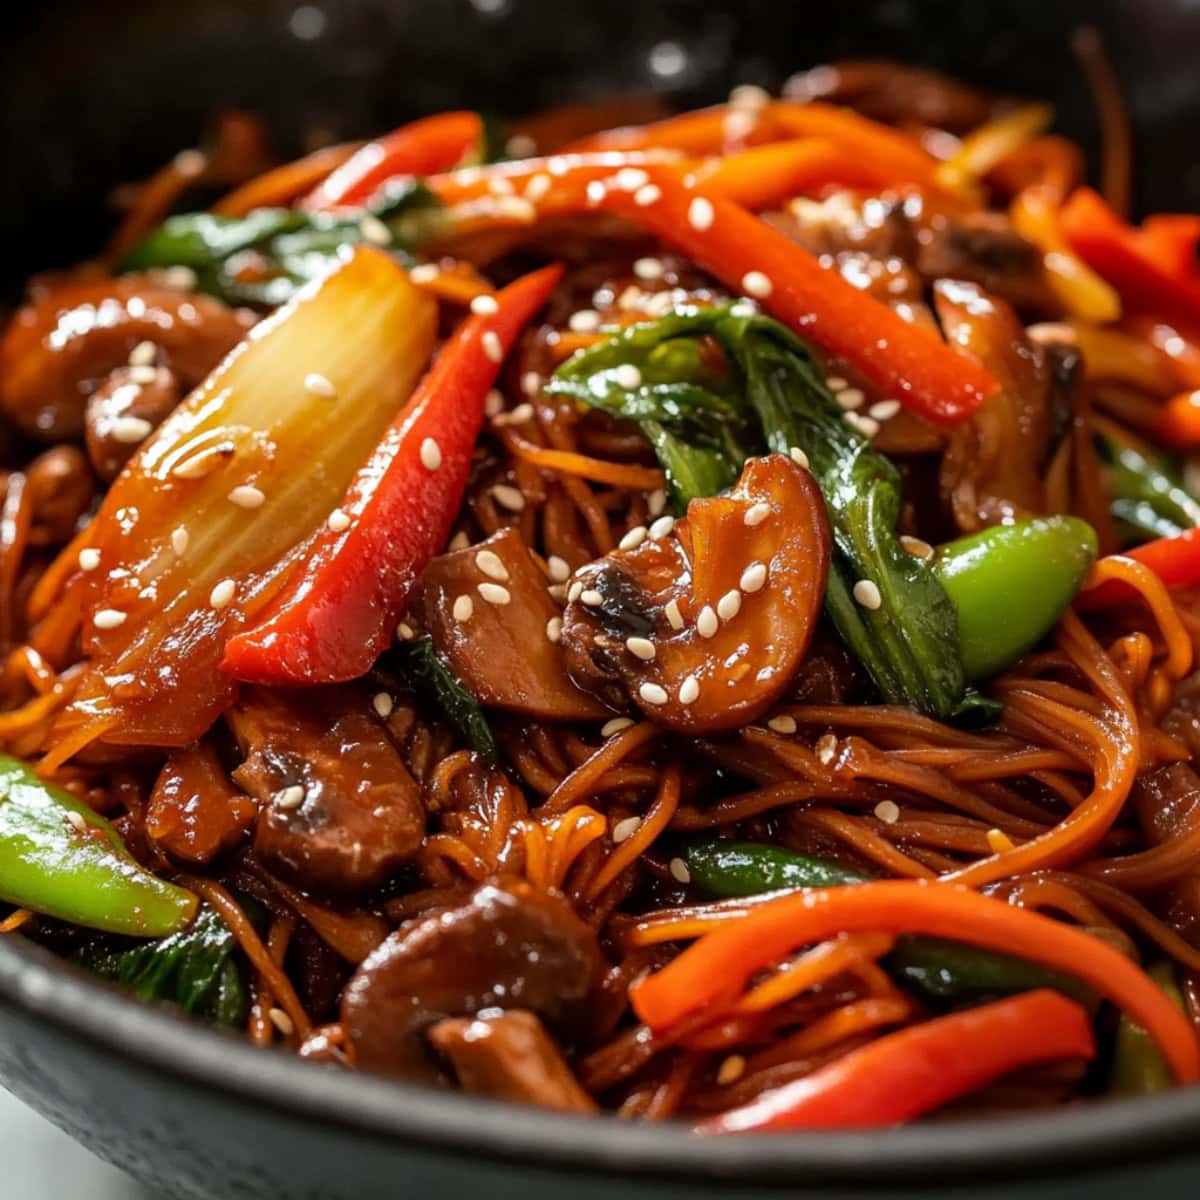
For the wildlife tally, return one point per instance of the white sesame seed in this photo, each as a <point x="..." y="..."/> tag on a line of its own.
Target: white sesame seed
<point x="798" y="457"/>
<point x="537" y="187"/>
<point x="459" y="541"/>
<point x="493" y="402"/>
<point x="493" y="593"/>
<point x="867" y="426"/>
<point x="129" y="430"/>
<point x="484" y="305"/>
<point x="614" y="726"/>
<point x="574" y="591"/>
<point x="554" y="628"/>
<point x="596" y="191"/>
<point x="641" y="647"/>
<point x="374" y="230"/>
<point x="405" y="632"/>
<point x="464" y="608"/>
<point x="491" y="346"/>
<point x="557" y="591"/>
<point x="645" y="196"/>
<point x="247" y="496"/>
<point x="749" y="96"/>
<point x="627" y="376"/>
<point x="674" y="616"/>
<point x="622" y="831"/>
<point x="143" y="375"/>
<point x="143" y="354"/>
<point x="633" y="539"/>
<point x="289" y="797"/>
<point x="884" y="410"/>
<point x="700" y="213"/>
<point x="591" y="598"/>
<point x="499" y="186"/>
<point x="850" y="398"/>
<point x="109" y="618"/>
<point x="318" y="385"/>
<point x="517" y="416"/>
<point x="179" y="539"/>
<point x="89" y="558"/>
<point x="917" y="547"/>
<point x="383" y="704"/>
<point x="660" y="528"/>
<point x="282" y="1021"/>
<point x="629" y="179"/>
<point x="648" y="268"/>
<point x="586" y="320"/>
<point x="729" y="605"/>
<point x="492" y="565"/>
<point x="76" y="821"/>
<point x="558" y="569"/>
<point x="431" y="454"/>
<point x="339" y="521"/>
<point x="753" y="577"/>
<point x="656" y="502"/>
<point x="731" y="1070"/>
<point x="652" y="693"/>
<point x="755" y="283"/>
<point x="515" y="208"/>
<point x="179" y="278"/>
<point x="222" y="594"/>
<point x="835" y="383"/>
<point x="679" y="871"/>
<point x="888" y="811"/>
<point x="531" y="383"/>
<point x="826" y="748"/>
<point x="424" y="273"/>
<point x="707" y="623"/>
<point x="782" y="724"/>
<point x="508" y="497"/>
<point x="756" y="514"/>
<point x="689" y="690"/>
<point x="866" y="592"/>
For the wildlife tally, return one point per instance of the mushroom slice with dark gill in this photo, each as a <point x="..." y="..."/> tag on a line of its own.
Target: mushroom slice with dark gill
<point x="703" y="625"/>
<point x="510" y="945"/>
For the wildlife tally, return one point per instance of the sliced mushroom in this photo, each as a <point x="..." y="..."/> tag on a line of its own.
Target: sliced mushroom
<point x="340" y="811"/>
<point x="704" y="626"/>
<point x="123" y="411"/>
<point x="62" y="490"/>
<point x="492" y="617"/>
<point x="509" y="946"/>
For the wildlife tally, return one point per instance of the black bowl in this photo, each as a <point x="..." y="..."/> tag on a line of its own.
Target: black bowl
<point x="94" y="94"/>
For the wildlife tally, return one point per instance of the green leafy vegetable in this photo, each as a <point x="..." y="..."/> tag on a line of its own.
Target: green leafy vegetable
<point x="1139" y="1068"/>
<point x="433" y="680"/>
<point x="193" y="969"/>
<point x="1144" y="495"/>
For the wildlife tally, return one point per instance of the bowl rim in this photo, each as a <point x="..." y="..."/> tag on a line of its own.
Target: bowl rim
<point x="1074" y="1140"/>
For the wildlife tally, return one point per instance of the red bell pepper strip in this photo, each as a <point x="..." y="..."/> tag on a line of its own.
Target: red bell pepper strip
<point x="905" y="361"/>
<point x="713" y="969"/>
<point x="1144" y="265"/>
<point x="422" y="147"/>
<point x="336" y="618"/>
<point x="917" y="1070"/>
<point x="1175" y="560"/>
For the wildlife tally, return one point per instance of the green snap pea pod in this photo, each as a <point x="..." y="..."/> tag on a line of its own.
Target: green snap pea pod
<point x="1138" y="1067"/>
<point x="1010" y="584"/>
<point x="59" y="858"/>
<point x="1144" y="496"/>
<point x="942" y="972"/>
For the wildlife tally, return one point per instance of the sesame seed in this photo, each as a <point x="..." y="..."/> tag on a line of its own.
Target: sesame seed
<point x="753" y="577"/>
<point x="629" y="179"/>
<point x="89" y="558"/>
<point x="222" y="594"/>
<point x="586" y="320"/>
<point x="143" y="374"/>
<point x="247" y="496"/>
<point x="645" y="196"/>
<point x="700" y="213"/>
<point x="289" y="797"/>
<point x="998" y="841"/>
<point x="614" y="726"/>
<point x="339" y="521"/>
<point x="374" y="230"/>
<point x="798" y="457"/>
<point x="383" y="704"/>
<point x="729" y="605"/>
<point x="591" y="598"/>
<point x="508" y="497"/>
<point x="652" y="693"/>
<point x="648" y="268"/>
<point x="201" y="464"/>
<point x="731" y="1070"/>
<point x="851" y="398"/>
<point x="574" y="591"/>
<point x="557" y="591"/>
<point x="179" y="278"/>
<point x="641" y="647"/>
<point x="679" y="871"/>
<point x="537" y="187"/>
<point x="674" y="616"/>
<point x="558" y="569"/>
<point x="531" y="383"/>
<point x="493" y="402"/>
<point x="464" y="608"/>
<point x="627" y="376"/>
<point x="755" y="283"/>
<point x="689" y="690"/>
<point x="493" y="593"/>
<point x="917" y="547"/>
<point x="484" y="305"/>
<point x="884" y="410"/>
<point x="517" y="416"/>
<point x="129" y="430"/>
<point x="491" y="564"/>
<point x="431" y="454"/>
<point x="179" y="539"/>
<point x="318" y="385"/>
<point x="143" y="354"/>
<point x="656" y="502"/>
<point x="424" y="273"/>
<point x="826" y="748"/>
<point x="782" y="724"/>
<point x="867" y="426"/>
<point x="707" y="623"/>
<point x="109" y="618"/>
<point x="750" y="96"/>
<point x="596" y="191"/>
<point x="459" y="541"/>
<point x="866" y="592"/>
<point x="633" y="539"/>
<point x="76" y="821"/>
<point x="491" y="346"/>
<point x="622" y="831"/>
<point x="660" y="528"/>
<point x="499" y="186"/>
<point x="554" y="628"/>
<point x="520" y="145"/>
<point x="756" y="514"/>
<point x="515" y="208"/>
<point x="282" y="1021"/>
<point x="835" y="383"/>
<point x="405" y="632"/>
<point x="888" y="811"/>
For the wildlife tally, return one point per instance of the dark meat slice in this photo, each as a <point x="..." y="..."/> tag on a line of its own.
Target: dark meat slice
<point x="124" y="410"/>
<point x="704" y="627"/>
<point x="509" y="946"/>
<point x="510" y="1057"/>
<point x="340" y="811"/>
<point x="195" y="811"/>
<point x="493" y="619"/>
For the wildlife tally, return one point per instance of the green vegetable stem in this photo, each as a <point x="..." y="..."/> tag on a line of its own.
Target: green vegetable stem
<point x="434" y="682"/>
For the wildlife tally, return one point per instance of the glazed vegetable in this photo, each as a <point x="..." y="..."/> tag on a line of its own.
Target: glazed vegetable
<point x="1043" y="561"/>
<point x="1144" y="496"/>
<point x="193" y="969"/>
<point x="435" y="683"/>
<point x="195" y="534"/>
<point x="359" y="574"/>
<point x="1138" y="1068"/>
<point x="725" y="959"/>
<point x="59" y="858"/>
<point x="914" y="1071"/>
<point x="1179" y="421"/>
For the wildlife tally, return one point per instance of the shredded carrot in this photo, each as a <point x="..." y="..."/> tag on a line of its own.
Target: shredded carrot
<point x="567" y="462"/>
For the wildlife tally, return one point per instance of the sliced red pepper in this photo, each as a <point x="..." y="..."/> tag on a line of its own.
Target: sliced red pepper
<point x="917" y="1070"/>
<point x="1175" y="560"/>
<point x="337" y="617"/>
<point x="422" y="147"/>
<point x="905" y="361"/>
